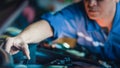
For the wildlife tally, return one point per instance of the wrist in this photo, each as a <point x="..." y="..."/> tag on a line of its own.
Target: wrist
<point x="21" y="38"/>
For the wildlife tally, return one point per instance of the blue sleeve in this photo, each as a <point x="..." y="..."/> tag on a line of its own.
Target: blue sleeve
<point x="63" y="22"/>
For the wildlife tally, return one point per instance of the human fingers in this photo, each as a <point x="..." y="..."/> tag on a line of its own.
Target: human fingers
<point x="25" y="50"/>
<point x="9" y="44"/>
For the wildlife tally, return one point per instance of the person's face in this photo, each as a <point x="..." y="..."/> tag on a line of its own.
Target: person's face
<point x="98" y="9"/>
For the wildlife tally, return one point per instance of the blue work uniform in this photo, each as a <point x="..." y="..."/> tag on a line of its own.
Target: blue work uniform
<point x="73" y="22"/>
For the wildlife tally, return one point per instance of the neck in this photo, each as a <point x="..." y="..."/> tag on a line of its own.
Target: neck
<point x="107" y="20"/>
<point x="105" y="23"/>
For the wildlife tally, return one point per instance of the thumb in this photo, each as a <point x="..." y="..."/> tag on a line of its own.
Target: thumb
<point x="26" y="51"/>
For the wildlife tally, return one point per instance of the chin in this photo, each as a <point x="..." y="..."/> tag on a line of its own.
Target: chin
<point x="94" y="17"/>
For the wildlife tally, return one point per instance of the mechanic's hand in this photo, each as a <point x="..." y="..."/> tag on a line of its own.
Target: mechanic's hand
<point x="15" y="44"/>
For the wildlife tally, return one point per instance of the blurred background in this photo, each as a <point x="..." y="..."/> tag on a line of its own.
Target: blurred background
<point x="15" y="15"/>
<point x="20" y="13"/>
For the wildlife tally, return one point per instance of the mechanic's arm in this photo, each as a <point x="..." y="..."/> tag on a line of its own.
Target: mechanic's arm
<point x="34" y="33"/>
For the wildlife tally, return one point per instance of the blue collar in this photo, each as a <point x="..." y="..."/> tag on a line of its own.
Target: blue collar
<point x="92" y="26"/>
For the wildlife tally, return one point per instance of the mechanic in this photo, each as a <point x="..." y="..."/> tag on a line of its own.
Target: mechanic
<point x="94" y="23"/>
